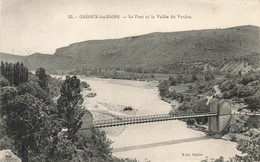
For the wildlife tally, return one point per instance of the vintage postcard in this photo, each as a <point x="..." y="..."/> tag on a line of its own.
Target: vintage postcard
<point x="127" y="81"/>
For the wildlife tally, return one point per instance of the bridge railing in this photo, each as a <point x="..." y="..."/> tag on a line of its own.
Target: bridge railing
<point x="247" y="113"/>
<point x="156" y="118"/>
<point x="144" y="119"/>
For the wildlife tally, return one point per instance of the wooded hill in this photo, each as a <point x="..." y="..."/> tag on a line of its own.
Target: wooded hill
<point x="212" y="48"/>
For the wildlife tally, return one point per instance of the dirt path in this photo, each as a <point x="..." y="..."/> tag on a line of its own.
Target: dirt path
<point x="217" y="90"/>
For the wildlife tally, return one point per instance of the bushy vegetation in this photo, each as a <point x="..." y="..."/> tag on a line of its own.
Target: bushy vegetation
<point x="253" y="122"/>
<point x="243" y="88"/>
<point x="69" y="106"/>
<point x="199" y="84"/>
<point x="203" y="87"/>
<point x="3" y="82"/>
<point x="43" y="78"/>
<point x="96" y="147"/>
<point x="84" y="85"/>
<point x="192" y="99"/>
<point x="54" y="86"/>
<point x="238" y="87"/>
<point x="250" y="150"/>
<point x="115" y="73"/>
<point x="5" y="141"/>
<point x="128" y="108"/>
<point x="31" y="122"/>
<point x="209" y="76"/>
<point x="197" y="87"/>
<point x="182" y="79"/>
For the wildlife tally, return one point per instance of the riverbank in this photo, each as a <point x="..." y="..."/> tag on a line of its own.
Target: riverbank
<point x="238" y="128"/>
<point x="162" y="141"/>
<point x="159" y="141"/>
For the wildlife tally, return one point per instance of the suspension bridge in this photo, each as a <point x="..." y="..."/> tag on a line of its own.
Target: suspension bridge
<point x="146" y="119"/>
<point x="119" y="121"/>
<point x="219" y="116"/>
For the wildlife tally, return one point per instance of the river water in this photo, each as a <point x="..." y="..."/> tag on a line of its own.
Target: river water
<point x="160" y="141"/>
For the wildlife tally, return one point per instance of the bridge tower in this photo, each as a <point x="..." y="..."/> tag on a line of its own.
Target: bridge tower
<point x="223" y="110"/>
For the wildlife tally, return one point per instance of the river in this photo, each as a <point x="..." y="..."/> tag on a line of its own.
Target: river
<point x="160" y="141"/>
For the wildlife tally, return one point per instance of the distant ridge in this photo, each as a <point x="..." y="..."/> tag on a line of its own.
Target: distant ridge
<point x="10" y="57"/>
<point x="154" y="50"/>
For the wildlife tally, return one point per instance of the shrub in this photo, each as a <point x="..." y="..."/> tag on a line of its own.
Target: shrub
<point x="4" y="82"/>
<point x="190" y="122"/>
<point x="128" y="108"/>
<point x="84" y="85"/>
<point x="209" y="76"/>
<point x="253" y="122"/>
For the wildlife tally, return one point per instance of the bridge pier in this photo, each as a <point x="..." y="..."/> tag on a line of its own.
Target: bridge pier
<point x="223" y="110"/>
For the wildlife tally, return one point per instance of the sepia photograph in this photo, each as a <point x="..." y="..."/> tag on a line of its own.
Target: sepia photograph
<point x="130" y="81"/>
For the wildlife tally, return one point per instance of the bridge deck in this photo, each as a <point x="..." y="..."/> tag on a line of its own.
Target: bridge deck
<point x="146" y="119"/>
<point x="247" y="113"/>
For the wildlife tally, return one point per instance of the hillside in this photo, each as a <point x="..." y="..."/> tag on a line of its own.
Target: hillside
<point x="9" y="57"/>
<point x="213" y="47"/>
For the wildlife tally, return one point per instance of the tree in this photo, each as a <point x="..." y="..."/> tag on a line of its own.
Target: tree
<point x="2" y="68"/>
<point x="7" y="94"/>
<point x="37" y="138"/>
<point x="51" y="147"/>
<point x="209" y="76"/>
<point x="34" y="89"/>
<point x="4" y="82"/>
<point x="69" y="105"/>
<point x="43" y="78"/>
<point x="64" y="151"/>
<point x="194" y="77"/>
<point x="163" y="88"/>
<point x="172" y="81"/>
<point x="24" y="120"/>
<point x="5" y="141"/>
<point x="180" y="78"/>
<point x="14" y="73"/>
<point x="253" y="102"/>
<point x="26" y="75"/>
<point x="96" y="146"/>
<point x="10" y="73"/>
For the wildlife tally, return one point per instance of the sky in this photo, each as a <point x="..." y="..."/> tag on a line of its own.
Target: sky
<point x="29" y="26"/>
